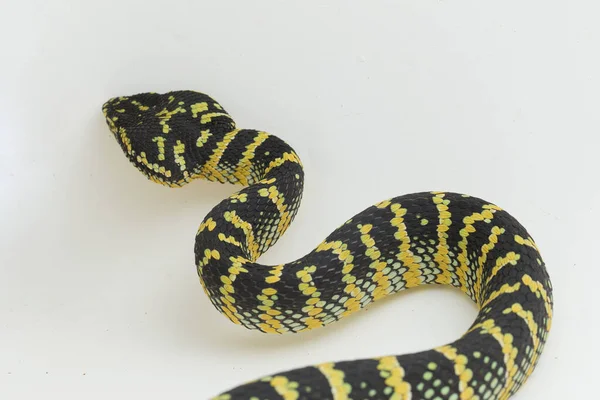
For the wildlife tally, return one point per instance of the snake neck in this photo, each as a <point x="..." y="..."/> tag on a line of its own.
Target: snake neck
<point x="238" y="230"/>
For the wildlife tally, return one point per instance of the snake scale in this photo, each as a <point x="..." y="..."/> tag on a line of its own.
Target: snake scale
<point x="414" y="239"/>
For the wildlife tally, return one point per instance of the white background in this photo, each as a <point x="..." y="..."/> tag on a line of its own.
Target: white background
<point x="98" y="289"/>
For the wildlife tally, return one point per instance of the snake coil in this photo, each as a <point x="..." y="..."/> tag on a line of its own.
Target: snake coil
<point x="399" y="243"/>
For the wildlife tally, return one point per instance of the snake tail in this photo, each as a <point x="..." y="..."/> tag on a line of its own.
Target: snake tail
<point x="441" y="238"/>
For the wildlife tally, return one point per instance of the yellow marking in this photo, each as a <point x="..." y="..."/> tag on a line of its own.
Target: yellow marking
<point x="271" y="325"/>
<point x="237" y="266"/>
<point x="485" y="249"/>
<point x="463" y="260"/>
<point x="206" y="118"/>
<point x="461" y="370"/>
<point x="339" y="389"/>
<point x="285" y="216"/>
<point x="241" y="197"/>
<point x="538" y="289"/>
<point x="441" y="256"/>
<point x="267" y="297"/>
<point x="125" y="140"/>
<point x="209" y="223"/>
<point x="203" y="138"/>
<point x="140" y="105"/>
<point x="285" y="388"/>
<point x="178" y="150"/>
<point x="291" y="157"/>
<point x="505" y="289"/>
<point x="492" y="207"/>
<point x="510" y="258"/>
<point x="198" y="108"/>
<point x="160" y="142"/>
<point x="275" y="274"/>
<point x="210" y="169"/>
<point x="345" y="256"/>
<point x="379" y="278"/>
<point x="222" y="397"/>
<point x="226" y="289"/>
<point x="307" y="287"/>
<point x="508" y="350"/>
<point x="394" y="374"/>
<point x="141" y="158"/>
<point x="413" y="276"/>
<point x="165" y="116"/>
<point x="244" y="166"/>
<point x="229" y="239"/>
<point x="384" y="203"/>
<point x="110" y="121"/>
<point x="526" y="242"/>
<point x="246" y="227"/>
<point x="527" y="317"/>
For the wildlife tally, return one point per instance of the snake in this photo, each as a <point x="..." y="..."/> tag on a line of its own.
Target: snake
<point x="424" y="238"/>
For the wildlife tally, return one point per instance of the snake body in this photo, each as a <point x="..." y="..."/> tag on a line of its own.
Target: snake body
<point x="399" y="243"/>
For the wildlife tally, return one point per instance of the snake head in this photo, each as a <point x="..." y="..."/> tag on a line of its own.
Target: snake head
<point x="163" y="134"/>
